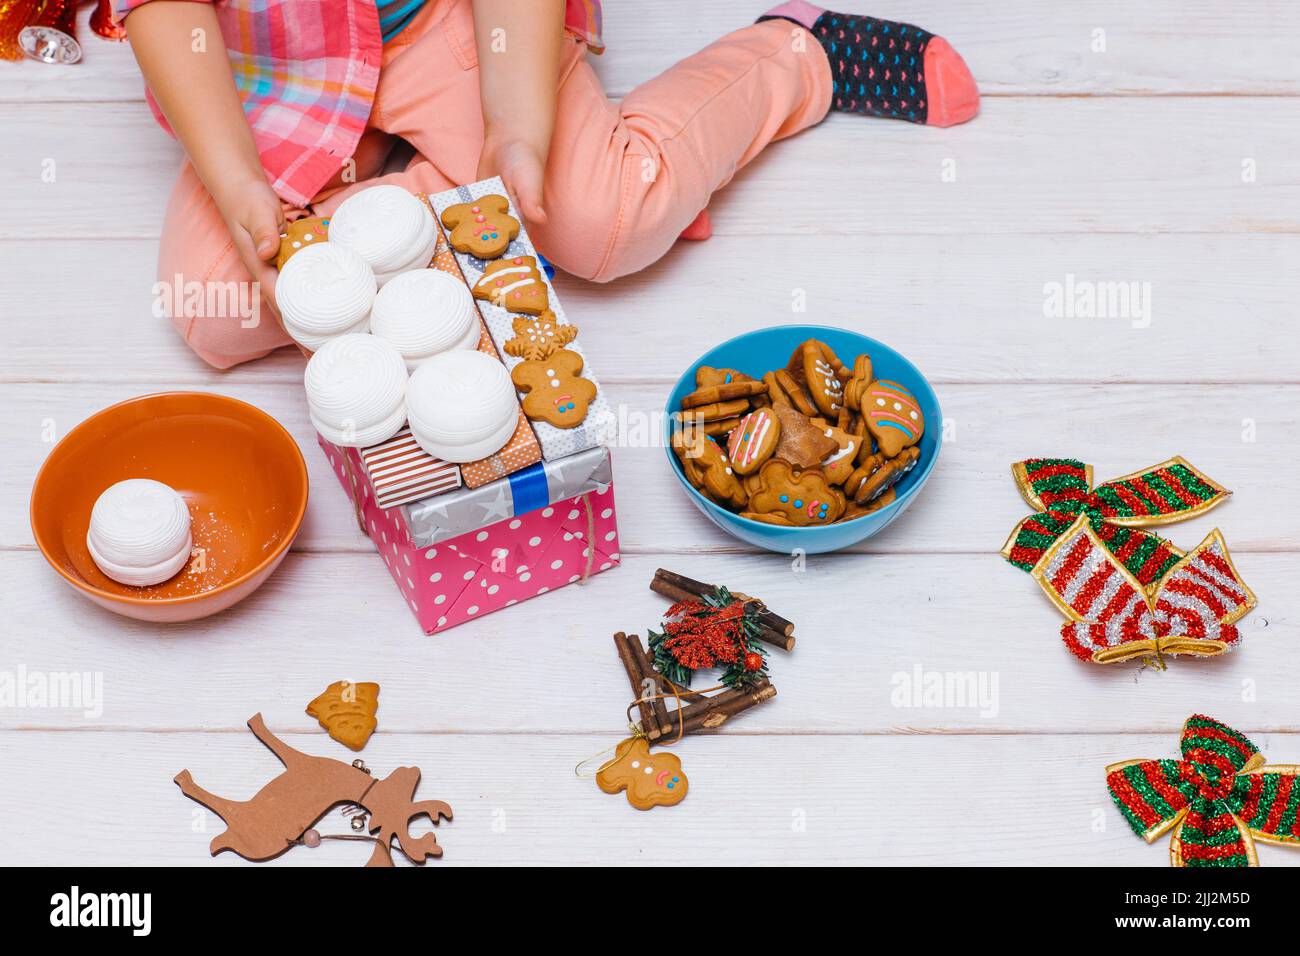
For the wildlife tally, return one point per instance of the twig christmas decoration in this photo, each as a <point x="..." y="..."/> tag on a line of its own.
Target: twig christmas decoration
<point x="704" y="714"/>
<point x="281" y="814"/>
<point x="1218" y="800"/>
<point x="772" y="628"/>
<point x="1060" y="490"/>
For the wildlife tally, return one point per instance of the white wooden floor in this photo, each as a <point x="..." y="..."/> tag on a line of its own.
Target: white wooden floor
<point x="1169" y="158"/>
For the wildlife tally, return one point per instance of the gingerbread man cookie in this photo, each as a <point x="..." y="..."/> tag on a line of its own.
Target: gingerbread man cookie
<point x="483" y="228"/>
<point x="893" y="416"/>
<point x="787" y="495"/>
<point x="514" y="285"/>
<point x="555" y="391"/>
<point x="540" y="337"/>
<point x="753" y="440"/>
<point x="299" y="235"/>
<point x="707" y="467"/>
<point x="650" y="779"/>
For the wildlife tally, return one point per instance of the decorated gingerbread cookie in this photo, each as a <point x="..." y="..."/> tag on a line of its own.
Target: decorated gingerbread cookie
<point x="537" y="338"/>
<point x="839" y="464"/>
<point x="824" y="376"/>
<point x="482" y="228"/>
<point x="299" y="235"/>
<point x="787" y="495"/>
<point x="893" y="416"/>
<point x="650" y="779"/>
<point x="515" y="285"/>
<point x="707" y="467"/>
<point x="878" y="474"/>
<point x="753" y="440"/>
<point x="555" y="391"/>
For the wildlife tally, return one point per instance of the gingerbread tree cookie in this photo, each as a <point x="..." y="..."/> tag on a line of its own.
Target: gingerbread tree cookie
<point x="347" y="711"/>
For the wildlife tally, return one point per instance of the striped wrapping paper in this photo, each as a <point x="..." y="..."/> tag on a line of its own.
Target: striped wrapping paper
<point x="400" y="471"/>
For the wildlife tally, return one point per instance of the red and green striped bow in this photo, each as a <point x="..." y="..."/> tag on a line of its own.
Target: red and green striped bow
<point x="1060" y="490"/>
<point x="1218" y="800"/>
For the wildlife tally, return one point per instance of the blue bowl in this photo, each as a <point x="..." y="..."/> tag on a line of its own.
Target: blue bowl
<point x="755" y="353"/>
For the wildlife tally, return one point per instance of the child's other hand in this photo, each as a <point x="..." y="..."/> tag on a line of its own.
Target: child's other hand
<point x="255" y="219"/>
<point x="522" y="167"/>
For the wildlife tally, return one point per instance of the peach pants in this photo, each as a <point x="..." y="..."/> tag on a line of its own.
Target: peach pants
<point x="622" y="180"/>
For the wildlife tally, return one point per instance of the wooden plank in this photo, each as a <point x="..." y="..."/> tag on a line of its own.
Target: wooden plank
<point x="1029" y="166"/>
<point x="1242" y="436"/>
<point x="1025" y="49"/>
<point x="979" y="318"/>
<point x="977" y="801"/>
<point x="897" y="644"/>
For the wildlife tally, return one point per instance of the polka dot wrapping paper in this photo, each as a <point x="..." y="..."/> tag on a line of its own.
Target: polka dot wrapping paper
<point x="500" y="563"/>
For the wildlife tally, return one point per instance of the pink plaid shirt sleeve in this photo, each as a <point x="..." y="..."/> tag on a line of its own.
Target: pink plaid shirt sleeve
<point x="306" y="71"/>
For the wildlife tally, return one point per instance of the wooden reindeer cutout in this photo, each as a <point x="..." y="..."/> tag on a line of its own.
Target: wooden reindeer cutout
<point x="280" y="814"/>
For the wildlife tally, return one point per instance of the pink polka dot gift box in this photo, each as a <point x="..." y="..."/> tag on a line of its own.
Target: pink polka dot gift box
<point x="478" y="550"/>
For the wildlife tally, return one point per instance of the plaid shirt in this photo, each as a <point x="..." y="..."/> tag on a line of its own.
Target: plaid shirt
<point x="306" y="71"/>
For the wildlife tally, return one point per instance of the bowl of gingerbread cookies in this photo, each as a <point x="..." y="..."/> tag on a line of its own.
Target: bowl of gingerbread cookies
<point x="802" y="436"/>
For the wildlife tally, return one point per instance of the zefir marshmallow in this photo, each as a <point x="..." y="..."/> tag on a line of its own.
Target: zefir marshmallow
<point x="323" y="291"/>
<point x="139" y="532"/>
<point x="425" y="312"/>
<point x="461" y="406"/>
<point x="388" y="227"/>
<point x="356" y="390"/>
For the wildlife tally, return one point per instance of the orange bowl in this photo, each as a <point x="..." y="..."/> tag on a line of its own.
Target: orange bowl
<point x="239" y="471"/>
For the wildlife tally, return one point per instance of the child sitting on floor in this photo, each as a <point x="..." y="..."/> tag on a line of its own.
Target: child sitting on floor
<point x="285" y="107"/>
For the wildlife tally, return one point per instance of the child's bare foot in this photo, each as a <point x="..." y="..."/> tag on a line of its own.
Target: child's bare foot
<point x="883" y="68"/>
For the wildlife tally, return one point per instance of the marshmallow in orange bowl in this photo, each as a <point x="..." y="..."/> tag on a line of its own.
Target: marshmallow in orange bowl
<point x="388" y="227"/>
<point x="356" y="390"/>
<point x="139" y="532"/>
<point x="461" y="406"/>
<point x="425" y="312"/>
<point x="323" y="291"/>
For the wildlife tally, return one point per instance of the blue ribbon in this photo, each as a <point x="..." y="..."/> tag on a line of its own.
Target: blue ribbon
<point x="529" y="489"/>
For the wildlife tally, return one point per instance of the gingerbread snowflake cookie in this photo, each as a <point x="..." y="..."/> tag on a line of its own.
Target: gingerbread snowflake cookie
<point x="555" y="391"/>
<point x="538" y="338"/>
<point x="482" y="228"/>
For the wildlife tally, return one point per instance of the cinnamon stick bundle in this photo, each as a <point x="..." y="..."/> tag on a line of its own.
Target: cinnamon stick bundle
<point x="775" y="629"/>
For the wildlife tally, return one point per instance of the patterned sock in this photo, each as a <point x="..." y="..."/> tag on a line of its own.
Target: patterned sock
<point x="883" y="68"/>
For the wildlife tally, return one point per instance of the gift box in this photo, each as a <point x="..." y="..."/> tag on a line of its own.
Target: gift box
<point x="600" y="426"/>
<point x="434" y="520"/>
<point x="557" y="527"/>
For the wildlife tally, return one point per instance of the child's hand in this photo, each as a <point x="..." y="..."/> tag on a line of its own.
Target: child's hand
<point x="522" y="167"/>
<point x="255" y="219"/>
